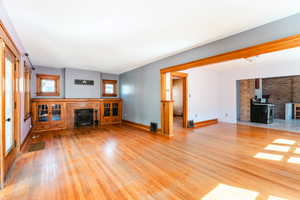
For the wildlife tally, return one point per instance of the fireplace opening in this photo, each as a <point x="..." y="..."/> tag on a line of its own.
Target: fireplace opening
<point x="84" y="117"/>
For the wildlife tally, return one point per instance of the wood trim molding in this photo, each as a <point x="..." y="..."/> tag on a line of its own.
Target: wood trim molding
<point x="27" y="90"/>
<point x="179" y="74"/>
<point x="205" y="123"/>
<point x="185" y="100"/>
<point x="165" y="101"/>
<point x="71" y="100"/>
<point x="139" y="126"/>
<point x="4" y="34"/>
<point x="268" y="47"/>
<point x="26" y="141"/>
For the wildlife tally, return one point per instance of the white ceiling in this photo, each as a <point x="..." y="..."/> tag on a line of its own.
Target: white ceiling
<point x="116" y="36"/>
<point x="278" y="58"/>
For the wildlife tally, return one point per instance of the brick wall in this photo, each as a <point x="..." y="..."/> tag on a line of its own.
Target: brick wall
<point x="247" y="88"/>
<point x="296" y="89"/>
<point x="282" y="90"/>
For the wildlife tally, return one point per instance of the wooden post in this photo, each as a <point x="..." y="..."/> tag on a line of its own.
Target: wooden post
<point x="167" y="117"/>
<point x="166" y="108"/>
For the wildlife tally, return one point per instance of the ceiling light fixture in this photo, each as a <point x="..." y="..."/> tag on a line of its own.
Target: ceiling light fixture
<point x="251" y="59"/>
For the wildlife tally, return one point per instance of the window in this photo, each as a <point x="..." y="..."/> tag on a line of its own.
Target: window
<point x="109" y="88"/>
<point x="27" y="89"/>
<point x="47" y="85"/>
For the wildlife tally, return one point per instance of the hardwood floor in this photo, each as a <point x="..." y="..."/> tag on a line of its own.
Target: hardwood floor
<point x="120" y="162"/>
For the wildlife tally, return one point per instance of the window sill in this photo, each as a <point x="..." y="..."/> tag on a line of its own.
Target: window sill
<point x="109" y="95"/>
<point x="47" y="94"/>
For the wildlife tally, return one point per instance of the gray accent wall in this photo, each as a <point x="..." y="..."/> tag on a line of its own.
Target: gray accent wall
<point x="140" y="88"/>
<point x="140" y="91"/>
<point x="52" y="71"/>
<point x="82" y="91"/>
<point x="67" y="79"/>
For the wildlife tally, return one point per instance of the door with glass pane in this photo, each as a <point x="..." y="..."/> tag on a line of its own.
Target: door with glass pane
<point x="9" y="102"/>
<point x="9" y="105"/>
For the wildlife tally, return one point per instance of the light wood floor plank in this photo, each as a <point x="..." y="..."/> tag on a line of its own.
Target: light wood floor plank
<point x="121" y="162"/>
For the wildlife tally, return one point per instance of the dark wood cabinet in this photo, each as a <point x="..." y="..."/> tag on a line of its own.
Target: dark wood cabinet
<point x="48" y="116"/>
<point x="55" y="114"/>
<point x="111" y="111"/>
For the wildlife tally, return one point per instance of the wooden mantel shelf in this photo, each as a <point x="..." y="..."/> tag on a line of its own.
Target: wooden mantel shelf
<point x="70" y="100"/>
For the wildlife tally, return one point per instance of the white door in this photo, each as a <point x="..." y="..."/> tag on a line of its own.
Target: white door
<point x="9" y="103"/>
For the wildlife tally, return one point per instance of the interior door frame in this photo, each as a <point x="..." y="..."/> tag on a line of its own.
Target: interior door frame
<point x="267" y="47"/>
<point x="184" y="78"/>
<point x="6" y="44"/>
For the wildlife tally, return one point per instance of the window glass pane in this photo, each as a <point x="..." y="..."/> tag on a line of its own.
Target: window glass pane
<point x="48" y="85"/>
<point x="109" y="88"/>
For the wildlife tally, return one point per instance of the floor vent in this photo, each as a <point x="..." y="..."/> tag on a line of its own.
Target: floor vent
<point x="153" y="127"/>
<point x="36" y="146"/>
<point x="191" y="124"/>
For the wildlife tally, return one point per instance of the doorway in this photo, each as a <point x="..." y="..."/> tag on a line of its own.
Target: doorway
<point x="179" y="97"/>
<point x="177" y="94"/>
<point x="9" y="110"/>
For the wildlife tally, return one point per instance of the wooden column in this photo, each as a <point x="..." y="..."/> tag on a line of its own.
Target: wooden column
<point x="166" y="109"/>
<point x="167" y="117"/>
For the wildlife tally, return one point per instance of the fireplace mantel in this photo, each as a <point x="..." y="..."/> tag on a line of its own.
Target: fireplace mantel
<point x="70" y="100"/>
<point x="68" y="107"/>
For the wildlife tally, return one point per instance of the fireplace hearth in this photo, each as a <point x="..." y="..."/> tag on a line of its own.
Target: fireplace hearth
<point x="84" y="117"/>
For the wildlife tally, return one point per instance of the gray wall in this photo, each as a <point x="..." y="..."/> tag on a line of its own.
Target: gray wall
<point x="68" y="88"/>
<point x="140" y="93"/>
<point x="140" y="88"/>
<point x="48" y="70"/>
<point x="82" y="91"/>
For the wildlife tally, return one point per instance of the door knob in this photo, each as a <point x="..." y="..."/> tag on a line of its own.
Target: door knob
<point x="8" y="119"/>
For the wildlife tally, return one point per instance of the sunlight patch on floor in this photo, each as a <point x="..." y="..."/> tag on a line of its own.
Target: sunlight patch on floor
<point x="222" y="192"/>
<point x="227" y="192"/>
<point x="275" y="198"/>
<point x="284" y="141"/>
<point x="269" y="156"/>
<point x="294" y="160"/>
<point x="273" y="147"/>
<point x="297" y="151"/>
